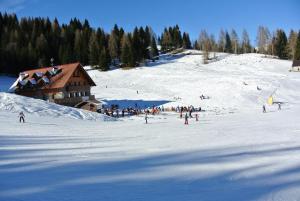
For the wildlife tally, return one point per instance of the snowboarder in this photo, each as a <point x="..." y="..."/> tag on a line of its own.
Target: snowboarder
<point x="264" y="109"/>
<point x="21" y="117"/>
<point x="146" y="118"/>
<point x="186" y="119"/>
<point x="279" y="106"/>
<point x="197" y="117"/>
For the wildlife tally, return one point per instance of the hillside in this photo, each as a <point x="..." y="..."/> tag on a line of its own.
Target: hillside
<point x="181" y="80"/>
<point x="234" y="151"/>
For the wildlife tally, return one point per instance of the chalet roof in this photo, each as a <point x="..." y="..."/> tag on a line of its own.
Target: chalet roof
<point x="296" y="63"/>
<point x="57" y="76"/>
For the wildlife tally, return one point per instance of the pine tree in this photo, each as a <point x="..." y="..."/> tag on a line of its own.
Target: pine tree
<point x="297" y="49"/>
<point x="222" y="41"/>
<point x="228" y="47"/>
<point x="42" y="48"/>
<point x="186" y="43"/>
<point x="137" y="46"/>
<point x="113" y="46"/>
<point x="246" y="47"/>
<point x="196" y="45"/>
<point x="153" y="51"/>
<point x="234" y="41"/>
<point x="78" y="46"/>
<point x="126" y="51"/>
<point x="292" y="44"/>
<point x="93" y="50"/>
<point x="104" y="60"/>
<point x="281" y="44"/>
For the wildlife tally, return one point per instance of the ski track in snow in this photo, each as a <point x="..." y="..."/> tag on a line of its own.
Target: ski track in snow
<point x="234" y="152"/>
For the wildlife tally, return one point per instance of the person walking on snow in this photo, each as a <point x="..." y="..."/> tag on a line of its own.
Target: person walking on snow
<point x="146" y="118"/>
<point x="264" y="109"/>
<point x="186" y="119"/>
<point x="21" y="117"/>
<point x="190" y="113"/>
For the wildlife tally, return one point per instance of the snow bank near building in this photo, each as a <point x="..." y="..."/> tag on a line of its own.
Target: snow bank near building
<point x="16" y="103"/>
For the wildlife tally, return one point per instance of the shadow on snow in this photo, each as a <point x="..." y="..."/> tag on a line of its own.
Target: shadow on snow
<point x="192" y="175"/>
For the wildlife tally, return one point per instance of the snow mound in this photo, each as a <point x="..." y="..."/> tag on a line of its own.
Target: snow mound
<point x="16" y="103"/>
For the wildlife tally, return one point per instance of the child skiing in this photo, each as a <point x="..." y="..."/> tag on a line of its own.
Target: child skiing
<point x="264" y="109"/>
<point x="21" y="117"/>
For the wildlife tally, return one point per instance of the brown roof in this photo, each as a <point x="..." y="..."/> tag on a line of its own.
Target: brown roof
<point x="61" y="79"/>
<point x="296" y="63"/>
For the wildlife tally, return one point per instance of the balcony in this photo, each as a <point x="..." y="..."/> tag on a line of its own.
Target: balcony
<point x="78" y="88"/>
<point x="74" y="100"/>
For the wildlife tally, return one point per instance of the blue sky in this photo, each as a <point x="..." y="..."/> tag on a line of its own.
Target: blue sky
<point x="190" y="15"/>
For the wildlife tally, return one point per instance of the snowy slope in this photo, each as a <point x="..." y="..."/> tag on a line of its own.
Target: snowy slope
<point x="247" y="157"/>
<point x="234" y="152"/>
<point x="181" y="80"/>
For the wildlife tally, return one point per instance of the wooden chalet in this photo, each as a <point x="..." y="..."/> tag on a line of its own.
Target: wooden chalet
<point x="67" y="84"/>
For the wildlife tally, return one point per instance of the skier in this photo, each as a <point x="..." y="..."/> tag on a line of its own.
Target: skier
<point x="190" y="113"/>
<point x="137" y="92"/>
<point x="264" y="109"/>
<point x="279" y="106"/>
<point x="21" y="117"/>
<point x="186" y="117"/>
<point x="146" y="118"/>
<point x="197" y="117"/>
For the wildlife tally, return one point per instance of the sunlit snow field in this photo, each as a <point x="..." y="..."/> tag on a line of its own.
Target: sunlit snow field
<point x="234" y="151"/>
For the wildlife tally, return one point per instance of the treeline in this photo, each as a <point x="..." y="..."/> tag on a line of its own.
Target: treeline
<point x="277" y="43"/>
<point x="172" y="39"/>
<point x="31" y="42"/>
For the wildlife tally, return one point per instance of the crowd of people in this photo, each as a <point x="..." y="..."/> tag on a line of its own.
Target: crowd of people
<point x="117" y="112"/>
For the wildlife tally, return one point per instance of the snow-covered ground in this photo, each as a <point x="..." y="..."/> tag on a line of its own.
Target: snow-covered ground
<point x="234" y="152"/>
<point x="231" y="83"/>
